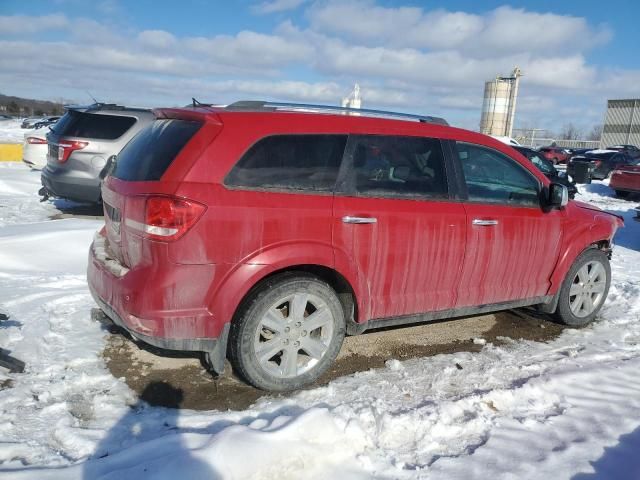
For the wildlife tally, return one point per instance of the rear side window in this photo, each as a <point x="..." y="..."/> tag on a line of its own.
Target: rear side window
<point x="395" y="166"/>
<point x="93" y="125"/>
<point x="290" y="162"/>
<point x="148" y="155"/>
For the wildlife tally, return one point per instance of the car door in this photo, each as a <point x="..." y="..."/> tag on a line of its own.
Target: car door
<point x="397" y="227"/>
<point x="512" y="242"/>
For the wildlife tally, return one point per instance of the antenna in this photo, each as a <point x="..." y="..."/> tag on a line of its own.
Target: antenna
<point x="196" y="103"/>
<point x="92" y="97"/>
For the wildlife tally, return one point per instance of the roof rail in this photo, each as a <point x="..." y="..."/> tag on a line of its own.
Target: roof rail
<point x="259" y="105"/>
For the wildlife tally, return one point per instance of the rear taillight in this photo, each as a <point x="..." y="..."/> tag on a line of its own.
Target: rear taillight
<point x="36" y="141"/>
<point x="167" y="218"/>
<point x="67" y="147"/>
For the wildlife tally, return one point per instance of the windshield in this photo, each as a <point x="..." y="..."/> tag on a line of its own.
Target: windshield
<point x="544" y="165"/>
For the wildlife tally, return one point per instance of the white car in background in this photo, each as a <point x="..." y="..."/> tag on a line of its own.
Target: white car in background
<point x="34" y="148"/>
<point x="507" y="140"/>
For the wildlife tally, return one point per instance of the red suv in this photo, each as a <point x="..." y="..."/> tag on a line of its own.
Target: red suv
<point x="266" y="232"/>
<point x="555" y="154"/>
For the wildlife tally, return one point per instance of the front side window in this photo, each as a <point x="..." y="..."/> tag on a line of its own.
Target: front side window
<point x="493" y="177"/>
<point x="395" y="166"/>
<point x="290" y="162"/>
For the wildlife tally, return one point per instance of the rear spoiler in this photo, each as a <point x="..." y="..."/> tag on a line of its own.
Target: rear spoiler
<point x="198" y="115"/>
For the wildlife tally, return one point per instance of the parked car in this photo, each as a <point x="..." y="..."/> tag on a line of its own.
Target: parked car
<point x="625" y="179"/>
<point x="630" y="150"/>
<point x="31" y="121"/>
<point x="508" y="140"/>
<point x="80" y="144"/>
<point x="603" y="162"/>
<point x="268" y="231"/>
<point x="574" y="152"/>
<point x="34" y="148"/>
<point x="546" y="167"/>
<point x="47" y="122"/>
<point x="555" y="154"/>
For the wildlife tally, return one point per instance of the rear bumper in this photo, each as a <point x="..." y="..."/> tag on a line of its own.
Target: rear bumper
<point x="63" y="184"/>
<point x="181" y="344"/>
<point x="160" y="304"/>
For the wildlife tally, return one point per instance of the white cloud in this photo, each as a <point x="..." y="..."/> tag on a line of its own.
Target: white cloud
<point x="407" y="58"/>
<point x="503" y="30"/>
<point x="25" y="24"/>
<point x="156" y="39"/>
<point x="274" y="6"/>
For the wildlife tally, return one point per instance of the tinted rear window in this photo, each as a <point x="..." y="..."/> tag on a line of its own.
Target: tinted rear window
<point x="148" y="155"/>
<point x="291" y="162"/>
<point x="92" y="125"/>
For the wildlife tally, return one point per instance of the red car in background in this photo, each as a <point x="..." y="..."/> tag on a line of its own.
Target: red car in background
<point x="555" y="154"/>
<point x="625" y="179"/>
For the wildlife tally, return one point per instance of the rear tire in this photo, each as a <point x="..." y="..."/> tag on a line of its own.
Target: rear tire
<point x="287" y="333"/>
<point x="584" y="289"/>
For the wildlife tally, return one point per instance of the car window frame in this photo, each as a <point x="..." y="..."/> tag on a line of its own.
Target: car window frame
<point x="285" y="190"/>
<point x="540" y="188"/>
<point x="346" y="186"/>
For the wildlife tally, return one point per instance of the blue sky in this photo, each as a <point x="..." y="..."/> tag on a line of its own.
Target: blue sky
<point x="427" y="57"/>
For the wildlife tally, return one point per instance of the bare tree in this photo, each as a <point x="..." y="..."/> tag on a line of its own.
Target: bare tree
<point x="595" y="133"/>
<point x="569" y="132"/>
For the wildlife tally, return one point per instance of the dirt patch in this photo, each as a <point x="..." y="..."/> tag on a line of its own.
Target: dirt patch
<point x="144" y="367"/>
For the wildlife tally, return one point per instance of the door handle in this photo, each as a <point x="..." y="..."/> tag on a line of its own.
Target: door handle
<point x="484" y="223"/>
<point x="349" y="219"/>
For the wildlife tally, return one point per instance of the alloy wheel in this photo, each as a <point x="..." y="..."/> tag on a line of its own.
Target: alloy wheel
<point x="293" y="335"/>
<point x="587" y="289"/>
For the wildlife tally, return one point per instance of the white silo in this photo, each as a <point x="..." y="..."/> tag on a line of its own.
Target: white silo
<point x="499" y="105"/>
<point x="353" y="100"/>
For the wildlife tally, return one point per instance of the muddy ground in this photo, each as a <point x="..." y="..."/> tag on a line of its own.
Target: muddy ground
<point x="148" y="371"/>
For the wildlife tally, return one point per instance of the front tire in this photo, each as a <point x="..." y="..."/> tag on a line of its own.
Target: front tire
<point x="584" y="289"/>
<point x="287" y="333"/>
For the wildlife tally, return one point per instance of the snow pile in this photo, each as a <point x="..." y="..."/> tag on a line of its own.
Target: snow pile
<point x="519" y="410"/>
<point x="19" y="201"/>
<point x="10" y="131"/>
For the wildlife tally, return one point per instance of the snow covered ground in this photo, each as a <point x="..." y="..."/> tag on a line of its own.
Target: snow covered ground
<point x="10" y="131"/>
<point x="567" y="409"/>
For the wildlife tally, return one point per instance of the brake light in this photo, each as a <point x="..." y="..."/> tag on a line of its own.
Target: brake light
<point x="67" y="147"/>
<point x="167" y="218"/>
<point x="36" y="141"/>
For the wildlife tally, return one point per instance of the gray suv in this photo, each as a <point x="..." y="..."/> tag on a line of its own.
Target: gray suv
<point x="80" y="145"/>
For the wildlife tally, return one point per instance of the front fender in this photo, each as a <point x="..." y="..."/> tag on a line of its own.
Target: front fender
<point x="580" y="234"/>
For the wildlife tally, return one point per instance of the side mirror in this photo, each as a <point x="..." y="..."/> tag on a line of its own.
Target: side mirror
<point x="558" y="195"/>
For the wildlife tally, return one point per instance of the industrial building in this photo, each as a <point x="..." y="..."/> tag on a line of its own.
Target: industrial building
<point x="499" y="106"/>
<point x="621" y="123"/>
